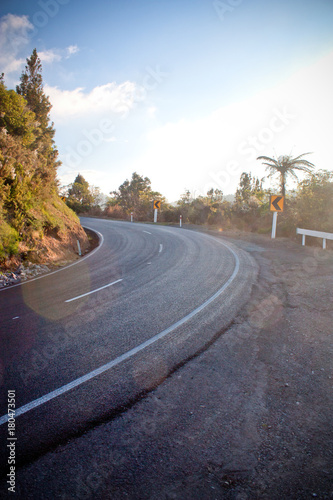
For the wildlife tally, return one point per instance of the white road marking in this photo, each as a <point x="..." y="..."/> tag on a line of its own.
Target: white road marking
<point x="63" y="268"/>
<point x="161" y="248"/>
<point x="147" y="232"/>
<point x="85" y="378"/>
<point x="16" y="317"/>
<point x="93" y="291"/>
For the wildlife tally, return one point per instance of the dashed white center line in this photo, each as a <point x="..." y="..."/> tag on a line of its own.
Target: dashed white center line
<point x="161" y="248"/>
<point x="93" y="291"/>
<point x="16" y="317"/>
<point x="147" y="232"/>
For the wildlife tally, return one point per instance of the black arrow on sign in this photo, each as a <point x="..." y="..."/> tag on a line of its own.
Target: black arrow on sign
<point x="276" y="202"/>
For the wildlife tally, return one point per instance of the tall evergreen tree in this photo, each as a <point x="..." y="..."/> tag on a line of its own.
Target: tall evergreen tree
<point x="31" y="88"/>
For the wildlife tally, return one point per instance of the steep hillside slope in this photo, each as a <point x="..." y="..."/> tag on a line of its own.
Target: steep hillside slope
<point x="35" y="224"/>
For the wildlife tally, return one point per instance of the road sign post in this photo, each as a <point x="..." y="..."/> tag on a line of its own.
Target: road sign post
<point x="156" y="207"/>
<point x="274" y="223"/>
<point x="276" y="205"/>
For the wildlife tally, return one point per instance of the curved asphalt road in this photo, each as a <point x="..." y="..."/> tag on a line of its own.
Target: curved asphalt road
<point x="80" y="344"/>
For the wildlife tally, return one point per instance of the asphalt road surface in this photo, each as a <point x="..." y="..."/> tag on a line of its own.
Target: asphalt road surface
<point x="82" y="344"/>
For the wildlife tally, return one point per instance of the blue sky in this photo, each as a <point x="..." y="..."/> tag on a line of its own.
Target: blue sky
<point x="188" y="93"/>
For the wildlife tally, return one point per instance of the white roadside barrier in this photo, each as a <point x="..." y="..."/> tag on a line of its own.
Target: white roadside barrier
<point x="316" y="234"/>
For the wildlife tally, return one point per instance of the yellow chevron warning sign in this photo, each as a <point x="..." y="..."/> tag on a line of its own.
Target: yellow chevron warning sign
<point x="276" y="203"/>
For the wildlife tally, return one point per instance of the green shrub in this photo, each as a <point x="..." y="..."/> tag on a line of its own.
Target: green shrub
<point x="9" y="240"/>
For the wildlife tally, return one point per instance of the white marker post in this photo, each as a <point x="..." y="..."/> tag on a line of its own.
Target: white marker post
<point x="180" y="220"/>
<point x="131" y="216"/>
<point x="274" y="223"/>
<point x="155" y="214"/>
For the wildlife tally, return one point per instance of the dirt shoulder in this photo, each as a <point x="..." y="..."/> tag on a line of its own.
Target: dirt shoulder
<point x="249" y="418"/>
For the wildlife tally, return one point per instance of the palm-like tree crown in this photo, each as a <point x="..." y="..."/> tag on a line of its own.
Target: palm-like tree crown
<point x="286" y="165"/>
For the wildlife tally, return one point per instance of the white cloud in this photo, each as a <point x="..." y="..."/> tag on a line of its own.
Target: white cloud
<point x="14" y="36"/>
<point x="294" y="117"/>
<point x="55" y="55"/>
<point x="49" y="56"/>
<point x="110" y="97"/>
<point x="72" y="49"/>
<point x="14" y="65"/>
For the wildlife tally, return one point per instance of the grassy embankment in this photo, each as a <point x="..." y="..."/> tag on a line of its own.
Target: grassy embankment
<point x="50" y="238"/>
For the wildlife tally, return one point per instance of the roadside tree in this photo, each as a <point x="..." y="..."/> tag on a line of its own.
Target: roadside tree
<point x="250" y="194"/>
<point x="314" y="202"/>
<point x="135" y="195"/>
<point x="286" y="166"/>
<point x="31" y="88"/>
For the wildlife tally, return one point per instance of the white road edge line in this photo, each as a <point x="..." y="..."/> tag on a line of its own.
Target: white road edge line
<point x="101" y="238"/>
<point x="93" y="291"/>
<point x="85" y="378"/>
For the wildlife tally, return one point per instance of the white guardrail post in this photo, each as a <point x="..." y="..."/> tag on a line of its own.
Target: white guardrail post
<point x="315" y="234"/>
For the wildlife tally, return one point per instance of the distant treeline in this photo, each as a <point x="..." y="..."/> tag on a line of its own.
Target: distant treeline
<point x="310" y="205"/>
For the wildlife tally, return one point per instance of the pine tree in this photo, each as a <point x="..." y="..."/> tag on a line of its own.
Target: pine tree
<point x="31" y="88"/>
